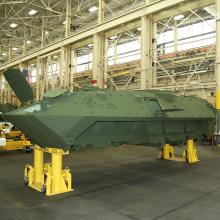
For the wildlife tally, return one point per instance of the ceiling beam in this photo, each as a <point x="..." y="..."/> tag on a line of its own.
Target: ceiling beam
<point x="155" y="7"/>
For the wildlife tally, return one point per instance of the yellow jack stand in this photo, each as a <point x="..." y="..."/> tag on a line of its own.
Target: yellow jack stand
<point x="167" y="152"/>
<point x="189" y="155"/>
<point x="48" y="178"/>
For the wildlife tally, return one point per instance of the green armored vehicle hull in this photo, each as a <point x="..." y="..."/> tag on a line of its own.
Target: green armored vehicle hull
<point x="96" y="118"/>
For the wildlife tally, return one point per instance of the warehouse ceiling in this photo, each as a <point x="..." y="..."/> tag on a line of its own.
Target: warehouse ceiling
<point x="24" y="19"/>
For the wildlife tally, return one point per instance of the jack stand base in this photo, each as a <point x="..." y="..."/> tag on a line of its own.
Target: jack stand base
<point x="189" y="155"/>
<point x="48" y="178"/>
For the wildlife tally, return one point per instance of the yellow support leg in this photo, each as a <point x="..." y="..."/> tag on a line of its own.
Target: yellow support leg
<point x="48" y="178"/>
<point x="190" y="155"/>
<point x="58" y="180"/>
<point x="33" y="176"/>
<point x="167" y="152"/>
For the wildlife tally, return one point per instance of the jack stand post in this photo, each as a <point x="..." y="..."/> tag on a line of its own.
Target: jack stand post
<point x="190" y="155"/>
<point x="167" y="152"/>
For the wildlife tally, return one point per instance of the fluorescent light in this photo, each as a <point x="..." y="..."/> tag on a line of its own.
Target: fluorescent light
<point x="55" y="56"/>
<point x="4" y="54"/>
<point x="64" y="22"/>
<point x="28" y="41"/>
<point x="13" y="25"/>
<point x="14" y="48"/>
<point x="139" y="29"/>
<point x="113" y="37"/>
<point x="179" y="17"/>
<point x="93" y="8"/>
<point x="89" y="45"/>
<point x="32" y="12"/>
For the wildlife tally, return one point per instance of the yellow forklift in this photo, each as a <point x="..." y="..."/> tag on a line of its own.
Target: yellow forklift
<point x="13" y="139"/>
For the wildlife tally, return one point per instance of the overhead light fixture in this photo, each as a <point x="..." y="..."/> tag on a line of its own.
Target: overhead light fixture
<point x="28" y="41"/>
<point x="93" y="8"/>
<point x="114" y="37"/>
<point x="32" y="12"/>
<point x="139" y="29"/>
<point x="55" y="56"/>
<point x="13" y="25"/>
<point x="14" y="48"/>
<point x="4" y="54"/>
<point x="64" y="22"/>
<point x="90" y="45"/>
<point x="46" y="32"/>
<point x="179" y="17"/>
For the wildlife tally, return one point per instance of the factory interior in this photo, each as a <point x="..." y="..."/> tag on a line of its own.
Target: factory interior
<point x="110" y="109"/>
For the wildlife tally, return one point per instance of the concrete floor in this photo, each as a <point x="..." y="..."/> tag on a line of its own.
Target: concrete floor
<point x="117" y="184"/>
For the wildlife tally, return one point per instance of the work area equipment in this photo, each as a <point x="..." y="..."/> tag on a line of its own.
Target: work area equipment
<point x="13" y="139"/>
<point x="189" y="155"/>
<point x="48" y="178"/>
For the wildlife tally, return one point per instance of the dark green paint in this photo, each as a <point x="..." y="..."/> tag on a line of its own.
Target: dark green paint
<point x="96" y="118"/>
<point x="19" y="85"/>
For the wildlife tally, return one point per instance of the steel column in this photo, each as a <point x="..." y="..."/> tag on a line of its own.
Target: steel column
<point x="10" y="53"/>
<point x="146" y="50"/>
<point x="43" y="34"/>
<point x="101" y="11"/>
<point x="68" y="18"/>
<point x="98" y="61"/>
<point x="38" y="79"/>
<point x="217" y="70"/>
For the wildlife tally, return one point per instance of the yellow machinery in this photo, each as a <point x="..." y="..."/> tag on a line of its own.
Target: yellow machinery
<point x="48" y="178"/>
<point x="189" y="155"/>
<point x="13" y="139"/>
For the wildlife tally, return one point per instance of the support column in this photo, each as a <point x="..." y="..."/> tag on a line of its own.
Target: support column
<point x="98" y="61"/>
<point x="73" y="69"/>
<point x="10" y="53"/>
<point x="62" y="66"/>
<point x="101" y="11"/>
<point x="24" y="45"/>
<point x="67" y="66"/>
<point x="48" y="63"/>
<point x="147" y="35"/>
<point x="68" y="18"/>
<point x="43" y="34"/>
<point x="146" y="52"/>
<point x="217" y="70"/>
<point x="175" y="35"/>
<point x="38" y="79"/>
